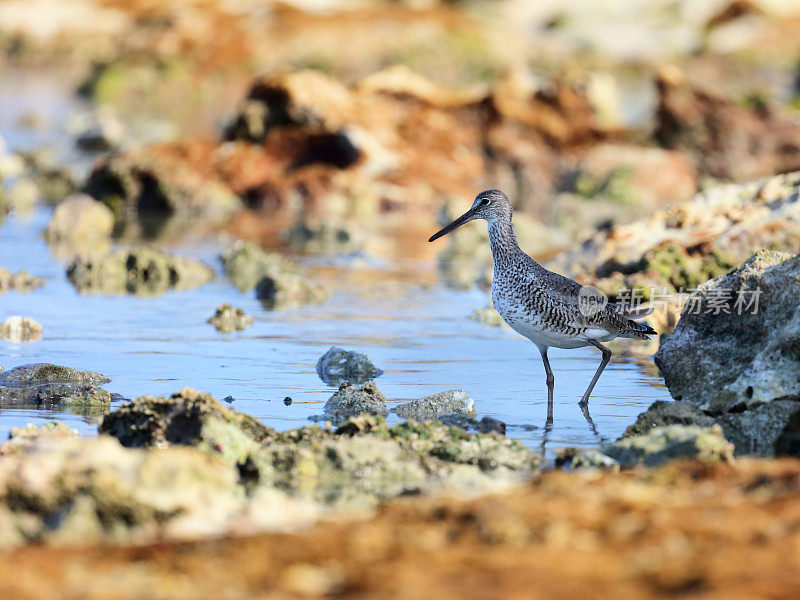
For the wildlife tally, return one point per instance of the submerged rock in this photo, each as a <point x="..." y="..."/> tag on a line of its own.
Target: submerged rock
<point x="20" y="329"/>
<point x="432" y="407"/>
<point x="338" y="365"/>
<point x="140" y="271"/>
<point x="227" y="319"/>
<point x="279" y="280"/>
<point x="46" y="385"/>
<point x="21" y="281"/>
<point x="78" y="219"/>
<point x="662" y="444"/>
<point x="734" y="347"/>
<point x="351" y="400"/>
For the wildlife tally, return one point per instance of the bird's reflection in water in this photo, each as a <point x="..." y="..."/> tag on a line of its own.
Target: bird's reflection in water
<point x="548" y="425"/>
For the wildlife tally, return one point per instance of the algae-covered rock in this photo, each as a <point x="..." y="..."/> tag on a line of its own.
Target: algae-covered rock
<point x="365" y="460"/>
<point x="189" y="418"/>
<point x="46" y="385"/>
<point x="21" y="281"/>
<point x="145" y="192"/>
<point x="20" y="329"/>
<point x="140" y="271"/>
<point x="431" y="407"/>
<point x="662" y="444"/>
<point x="735" y="346"/>
<point x="227" y="319"/>
<point x="338" y="365"/>
<point x="489" y="316"/>
<point x="351" y="400"/>
<point x="279" y="280"/>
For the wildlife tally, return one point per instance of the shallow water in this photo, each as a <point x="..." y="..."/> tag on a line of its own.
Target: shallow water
<point x="417" y="332"/>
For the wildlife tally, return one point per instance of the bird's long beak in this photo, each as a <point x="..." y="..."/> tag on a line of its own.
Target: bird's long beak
<point x="465" y="218"/>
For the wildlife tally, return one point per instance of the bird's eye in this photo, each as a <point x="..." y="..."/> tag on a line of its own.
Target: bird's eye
<point x="484" y="202"/>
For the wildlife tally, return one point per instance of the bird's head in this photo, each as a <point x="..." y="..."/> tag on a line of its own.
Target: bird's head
<point x="491" y="205"/>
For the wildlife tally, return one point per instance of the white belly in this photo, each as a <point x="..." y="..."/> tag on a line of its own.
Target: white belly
<point x="531" y="326"/>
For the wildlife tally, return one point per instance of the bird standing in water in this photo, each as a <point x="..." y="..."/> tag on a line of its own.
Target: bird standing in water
<point x="547" y="308"/>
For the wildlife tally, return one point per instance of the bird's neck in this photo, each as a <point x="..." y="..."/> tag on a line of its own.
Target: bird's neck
<point x="505" y="248"/>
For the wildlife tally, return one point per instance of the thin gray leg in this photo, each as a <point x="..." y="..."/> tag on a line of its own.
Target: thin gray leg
<point x="551" y="380"/>
<point x="606" y="357"/>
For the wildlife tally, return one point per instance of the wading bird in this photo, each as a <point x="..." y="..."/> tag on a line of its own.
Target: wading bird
<point x="547" y="308"/>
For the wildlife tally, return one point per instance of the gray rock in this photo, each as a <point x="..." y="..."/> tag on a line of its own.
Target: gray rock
<point x="323" y="237"/>
<point x="431" y="407"/>
<point x="227" y="319"/>
<point x="767" y="430"/>
<point x="338" y="365"/>
<point x="79" y="218"/>
<point x="352" y="400"/>
<point x="728" y="361"/>
<point x="662" y="444"/>
<point x="140" y="271"/>
<point x="45" y="385"/>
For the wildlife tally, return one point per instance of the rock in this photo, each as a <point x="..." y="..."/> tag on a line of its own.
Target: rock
<point x="278" y="279"/>
<point x="188" y="418"/>
<point x="18" y="282"/>
<point x="431" y="407"/>
<point x="338" y="365"/>
<point x="101" y="132"/>
<point x="365" y="460"/>
<point x="78" y="219"/>
<point x="149" y="191"/>
<point x="21" y="439"/>
<point x="288" y="289"/>
<point x="677" y="249"/>
<point x="20" y="329"/>
<point x="323" y="237"/>
<point x="491" y="425"/>
<point x="140" y="271"/>
<point x="725" y="140"/>
<point x="662" y="444"/>
<point x="733" y="347"/>
<point x="771" y="429"/>
<point x="227" y="319"/>
<point x="46" y="385"/>
<point x="21" y="197"/>
<point x="351" y="400"/>
<point x="489" y="316"/>
<point x="578" y="459"/>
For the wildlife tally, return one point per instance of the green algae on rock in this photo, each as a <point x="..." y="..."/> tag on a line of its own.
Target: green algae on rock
<point x="46" y="385"/>
<point x="139" y="271"/>
<point x="228" y="318"/>
<point x="662" y="444"/>
<point x="338" y="365"/>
